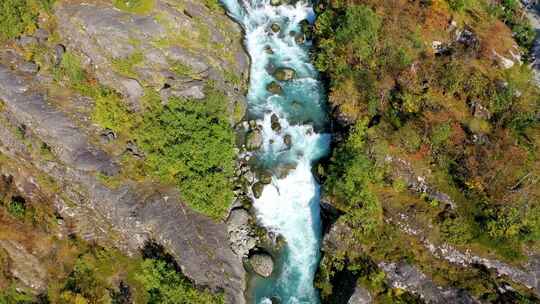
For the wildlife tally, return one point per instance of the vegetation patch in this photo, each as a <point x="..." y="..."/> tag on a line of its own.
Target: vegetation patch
<point x="18" y="17"/>
<point x="188" y="143"/>
<point x="135" y="6"/>
<point x="124" y="66"/>
<point x="466" y="127"/>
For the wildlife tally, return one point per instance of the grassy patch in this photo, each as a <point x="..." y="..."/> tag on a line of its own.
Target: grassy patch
<point x="183" y="70"/>
<point x="213" y="5"/>
<point x="125" y="66"/>
<point x="135" y="6"/>
<point x="17" y="207"/>
<point x="20" y="16"/>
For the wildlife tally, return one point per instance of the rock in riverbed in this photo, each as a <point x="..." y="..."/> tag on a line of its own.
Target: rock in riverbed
<point x="257" y="189"/>
<point x="274" y="88"/>
<point x="284" y="74"/>
<point x="262" y="264"/>
<point x="275" y="125"/>
<point x="241" y="234"/>
<point x="254" y="140"/>
<point x="287" y="140"/>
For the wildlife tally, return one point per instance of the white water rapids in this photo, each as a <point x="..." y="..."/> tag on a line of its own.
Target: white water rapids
<point x="288" y="206"/>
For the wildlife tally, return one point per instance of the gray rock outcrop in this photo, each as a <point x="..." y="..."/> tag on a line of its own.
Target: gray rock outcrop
<point x="408" y="277"/>
<point x="528" y="275"/>
<point x="24" y="266"/>
<point x="241" y="234"/>
<point x="158" y="49"/>
<point x="533" y="13"/>
<point x="360" y="296"/>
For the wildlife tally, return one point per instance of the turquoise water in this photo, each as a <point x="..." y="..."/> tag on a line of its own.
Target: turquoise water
<point x="288" y="206"/>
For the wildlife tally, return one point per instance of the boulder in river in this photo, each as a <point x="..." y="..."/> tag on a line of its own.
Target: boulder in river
<point x="257" y="189"/>
<point x="275" y="2"/>
<point x="284" y="74"/>
<point x="268" y="50"/>
<point x="274" y="88"/>
<point x="254" y="140"/>
<point x="287" y="140"/>
<point x="275" y="125"/>
<point x="275" y="300"/>
<point x="265" y="178"/>
<point x="299" y="39"/>
<point x="262" y="264"/>
<point x="275" y="28"/>
<point x="307" y="29"/>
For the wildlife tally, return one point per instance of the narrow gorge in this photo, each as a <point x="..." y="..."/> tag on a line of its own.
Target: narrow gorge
<point x="287" y="112"/>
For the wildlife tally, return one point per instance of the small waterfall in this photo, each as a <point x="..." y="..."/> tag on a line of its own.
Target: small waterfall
<point x="289" y="205"/>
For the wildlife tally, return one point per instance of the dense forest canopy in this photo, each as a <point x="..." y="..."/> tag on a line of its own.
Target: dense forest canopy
<point x="443" y="134"/>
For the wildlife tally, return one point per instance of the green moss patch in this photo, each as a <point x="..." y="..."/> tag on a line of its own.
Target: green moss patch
<point x="135" y="6"/>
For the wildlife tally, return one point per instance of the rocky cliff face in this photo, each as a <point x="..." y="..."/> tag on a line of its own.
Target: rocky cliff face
<point x="533" y="13"/>
<point x="176" y="48"/>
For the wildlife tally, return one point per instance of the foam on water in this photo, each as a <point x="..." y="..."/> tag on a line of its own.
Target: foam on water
<point x="288" y="206"/>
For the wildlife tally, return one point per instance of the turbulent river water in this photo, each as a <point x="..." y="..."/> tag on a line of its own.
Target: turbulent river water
<point x="289" y="205"/>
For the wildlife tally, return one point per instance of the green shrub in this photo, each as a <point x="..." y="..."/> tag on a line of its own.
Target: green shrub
<point x="359" y="30"/>
<point x="456" y="231"/>
<point x="11" y="295"/>
<point x="17" y="207"/>
<point x="70" y="69"/>
<point x="83" y="281"/>
<point x="457" y="5"/>
<point x="191" y="143"/>
<point x="213" y="5"/>
<point x="504" y="223"/>
<point x="16" y="17"/>
<point x="111" y="113"/>
<point x="441" y="134"/>
<point x="164" y="285"/>
<point x="187" y="142"/>
<point x="125" y="66"/>
<point x="349" y="181"/>
<point x="356" y="31"/>
<point x="479" y="126"/>
<point x="511" y="13"/>
<point x="409" y="138"/>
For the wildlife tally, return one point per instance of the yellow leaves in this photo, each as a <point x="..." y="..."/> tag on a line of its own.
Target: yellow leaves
<point x="475" y="184"/>
<point x="346" y="96"/>
<point x="479" y="126"/>
<point x="411" y="103"/>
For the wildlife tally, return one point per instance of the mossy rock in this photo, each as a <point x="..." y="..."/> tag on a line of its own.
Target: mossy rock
<point x="254" y="140"/>
<point x="274" y="88"/>
<point x="275" y="125"/>
<point x="257" y="189"/>
<point x="284" y="74"/>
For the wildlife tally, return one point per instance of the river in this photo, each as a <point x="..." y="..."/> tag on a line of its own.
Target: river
<point x="289" y="205"/>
